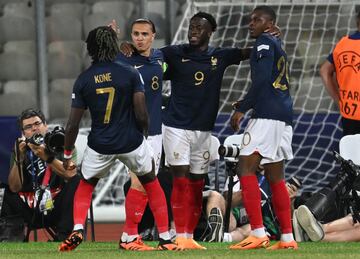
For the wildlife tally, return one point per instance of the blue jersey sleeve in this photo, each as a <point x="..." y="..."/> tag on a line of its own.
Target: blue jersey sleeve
<point x="138" y="82"/>
<point x="234" y="56"/>
<point x="77" y="97"/>
<point x="166" y="51"/>
<point x="261" y="71"/>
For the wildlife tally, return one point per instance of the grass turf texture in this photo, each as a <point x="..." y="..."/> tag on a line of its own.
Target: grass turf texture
<point x="104" y="250"/>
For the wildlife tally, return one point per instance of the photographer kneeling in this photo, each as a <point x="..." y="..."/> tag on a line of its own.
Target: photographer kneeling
<point x="40" y="191"/>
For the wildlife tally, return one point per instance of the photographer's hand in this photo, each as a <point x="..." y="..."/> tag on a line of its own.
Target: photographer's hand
<point x="292" y="190"/>
<point x="21" y="149"/>
<point x="68" y="164"/>
<point x="39" y="151"/>
<point x="235" y="120"/>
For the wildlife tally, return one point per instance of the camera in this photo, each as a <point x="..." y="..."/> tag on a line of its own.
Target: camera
<point x="53" y="140"/>
<point x="36" y="139"/>
<point x="229" y="151"/>
<point x="335" y="196"/>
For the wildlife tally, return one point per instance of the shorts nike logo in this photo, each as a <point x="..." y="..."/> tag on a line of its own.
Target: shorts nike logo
<point x="138" y="66"/>
<point x="185" y="60"/>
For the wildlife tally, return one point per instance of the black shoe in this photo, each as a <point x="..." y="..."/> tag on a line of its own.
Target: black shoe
<point x="215" y="221"/>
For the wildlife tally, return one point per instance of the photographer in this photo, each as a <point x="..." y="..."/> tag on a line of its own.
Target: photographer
<point x="333" y="213"/>
<point x="239" y="227"/>
<point x="40" y="191"/>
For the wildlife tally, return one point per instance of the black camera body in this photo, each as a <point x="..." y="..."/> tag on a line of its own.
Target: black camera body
<point x="335" y="195"/>
<point x="53" y="140"/>
<point x="36" y="139"/>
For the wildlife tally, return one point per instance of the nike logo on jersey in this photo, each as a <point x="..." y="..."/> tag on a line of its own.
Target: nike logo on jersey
<point x="185" y="60"/>
<point x="137" y="67"/>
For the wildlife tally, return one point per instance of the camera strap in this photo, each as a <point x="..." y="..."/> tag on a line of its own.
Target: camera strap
<point x="33" y="173"/>
<point x="46" y="179"/>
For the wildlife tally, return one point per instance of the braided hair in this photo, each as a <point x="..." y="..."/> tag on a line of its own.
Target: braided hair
<point x="102" y="44"/>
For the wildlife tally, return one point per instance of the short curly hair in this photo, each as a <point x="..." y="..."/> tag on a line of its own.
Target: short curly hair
<point x="207" y="17"/>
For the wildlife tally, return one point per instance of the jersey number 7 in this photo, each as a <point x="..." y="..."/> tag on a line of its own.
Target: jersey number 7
<point x="111" y="92"/>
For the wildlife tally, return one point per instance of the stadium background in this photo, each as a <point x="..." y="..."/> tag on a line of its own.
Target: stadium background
<point x="42" y="52"/>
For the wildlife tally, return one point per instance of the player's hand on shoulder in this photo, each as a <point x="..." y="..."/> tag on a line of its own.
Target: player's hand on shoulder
<point x="114" y="26"/>
<point x="274" y="31"/>
<point x="127" y="48"/>
<point x="235" y="120"/>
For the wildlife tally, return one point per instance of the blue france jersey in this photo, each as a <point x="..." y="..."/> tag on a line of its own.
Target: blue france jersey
<point x="151" y="71"/>
<point x="195" y="84"/>
<point x="107" y="90"/>
<point x="269" y="95"/>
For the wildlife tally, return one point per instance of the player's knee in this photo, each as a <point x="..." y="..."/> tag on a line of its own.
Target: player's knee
<point x="137" y="185"/>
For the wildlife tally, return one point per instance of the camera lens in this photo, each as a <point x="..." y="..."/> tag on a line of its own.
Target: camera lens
<point x="229" y="151"/>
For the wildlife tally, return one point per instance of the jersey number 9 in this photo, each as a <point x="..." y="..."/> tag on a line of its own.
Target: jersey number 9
<point x="199" y="78"/>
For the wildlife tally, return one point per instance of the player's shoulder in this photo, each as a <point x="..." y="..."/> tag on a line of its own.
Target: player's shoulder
<point x="266" y="38"/>
<point x="223" y="50"/>
<point x="121" y="57"/>
<point x="173" y="48"/>
<point x="156" y="54"/>
<point x="124" y="66"/>
<point x="266" y="41"/>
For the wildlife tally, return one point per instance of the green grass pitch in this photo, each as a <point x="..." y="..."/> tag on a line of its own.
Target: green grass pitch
<point x="106" y="250"/>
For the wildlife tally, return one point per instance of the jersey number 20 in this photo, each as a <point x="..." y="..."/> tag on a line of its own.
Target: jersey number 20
<point x="283" y="68"/>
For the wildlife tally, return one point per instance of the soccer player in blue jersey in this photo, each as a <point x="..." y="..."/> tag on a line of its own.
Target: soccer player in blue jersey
<point x="268" y="135"/>
<point x="114" y="94"/>
<point x="149" y="63"/>
<point x="196" y="71"/>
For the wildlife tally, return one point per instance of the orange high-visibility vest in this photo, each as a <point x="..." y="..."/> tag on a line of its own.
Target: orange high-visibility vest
<point x="347" y="64"/>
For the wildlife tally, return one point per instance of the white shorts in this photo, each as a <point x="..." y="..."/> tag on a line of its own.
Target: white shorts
<point x="155" y="142"/>
<point x="187" y="147"/>
<point x="270" y="138"/>
<point x="97" y="165"/>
